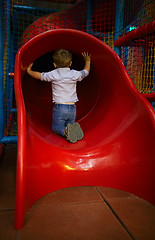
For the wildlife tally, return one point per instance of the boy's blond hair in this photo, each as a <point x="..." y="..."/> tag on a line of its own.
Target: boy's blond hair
<point x="62" y="58"/>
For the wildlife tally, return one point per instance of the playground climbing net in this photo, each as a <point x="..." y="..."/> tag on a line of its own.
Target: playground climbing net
<point x="138" y="54"/>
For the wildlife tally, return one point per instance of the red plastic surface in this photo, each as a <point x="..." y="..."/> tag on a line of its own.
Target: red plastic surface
<point x="149" y="96"/>
<point x="135" y="34"/>
<point x="118" y="123"/>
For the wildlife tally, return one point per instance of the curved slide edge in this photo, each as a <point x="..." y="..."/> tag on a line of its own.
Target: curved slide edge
<point x="118" y="148"/>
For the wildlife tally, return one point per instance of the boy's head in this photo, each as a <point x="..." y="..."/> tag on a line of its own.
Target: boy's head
<point x="62" y="58"/>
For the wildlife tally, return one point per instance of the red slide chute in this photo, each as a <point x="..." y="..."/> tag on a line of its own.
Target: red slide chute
<point x="118" y="123"/>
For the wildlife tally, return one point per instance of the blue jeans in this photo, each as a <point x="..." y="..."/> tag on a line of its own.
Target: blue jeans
<point x="62" y="115"/>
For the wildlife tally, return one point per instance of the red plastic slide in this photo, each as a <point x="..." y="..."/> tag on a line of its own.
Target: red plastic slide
<point x="118" y="123"/>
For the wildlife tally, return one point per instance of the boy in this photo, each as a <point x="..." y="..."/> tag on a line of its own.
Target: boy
<point x="63" y="81"/>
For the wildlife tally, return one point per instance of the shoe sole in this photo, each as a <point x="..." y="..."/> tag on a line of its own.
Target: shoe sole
<point x="78" y="131"/>
<point x="71" y="135"/>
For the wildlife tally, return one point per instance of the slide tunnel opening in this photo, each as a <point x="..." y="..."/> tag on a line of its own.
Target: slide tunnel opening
<point x="100" y="111"/>
<point x="38" y="94"/>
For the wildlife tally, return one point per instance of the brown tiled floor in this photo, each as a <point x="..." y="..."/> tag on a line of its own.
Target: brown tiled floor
<point x="79" y="213"/>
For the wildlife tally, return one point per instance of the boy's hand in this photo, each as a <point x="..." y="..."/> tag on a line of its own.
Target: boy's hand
<point x="86" y="56"/>
<point x="29" y="67"/>
<point x="34" y="74"/>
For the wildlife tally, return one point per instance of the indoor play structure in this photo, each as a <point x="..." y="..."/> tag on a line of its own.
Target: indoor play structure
<point x="117" y="119"/>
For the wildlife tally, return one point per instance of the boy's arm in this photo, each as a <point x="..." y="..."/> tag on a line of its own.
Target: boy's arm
<point x="87" y="59"/>
<point x="34" y="74"/>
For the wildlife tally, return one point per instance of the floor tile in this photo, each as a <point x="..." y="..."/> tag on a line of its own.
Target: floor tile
<point x="7" y="232"/>
<point x="137" y="215"/>
<point x="8" y="160"/>
<point x="8" y="178"/>
<point x="1" y="150"/>
<point x="70" y="195"/>
<point x="114" y="193"/>
<point x="93" y="221"/>
<point x="7" y="197"/>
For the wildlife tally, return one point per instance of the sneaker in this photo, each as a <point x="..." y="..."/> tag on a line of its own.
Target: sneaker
<point x="78" y="131"/>
<point x="70" y="133"/>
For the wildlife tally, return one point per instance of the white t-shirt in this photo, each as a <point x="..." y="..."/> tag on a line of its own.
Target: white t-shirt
<point x="63" y="82"/>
